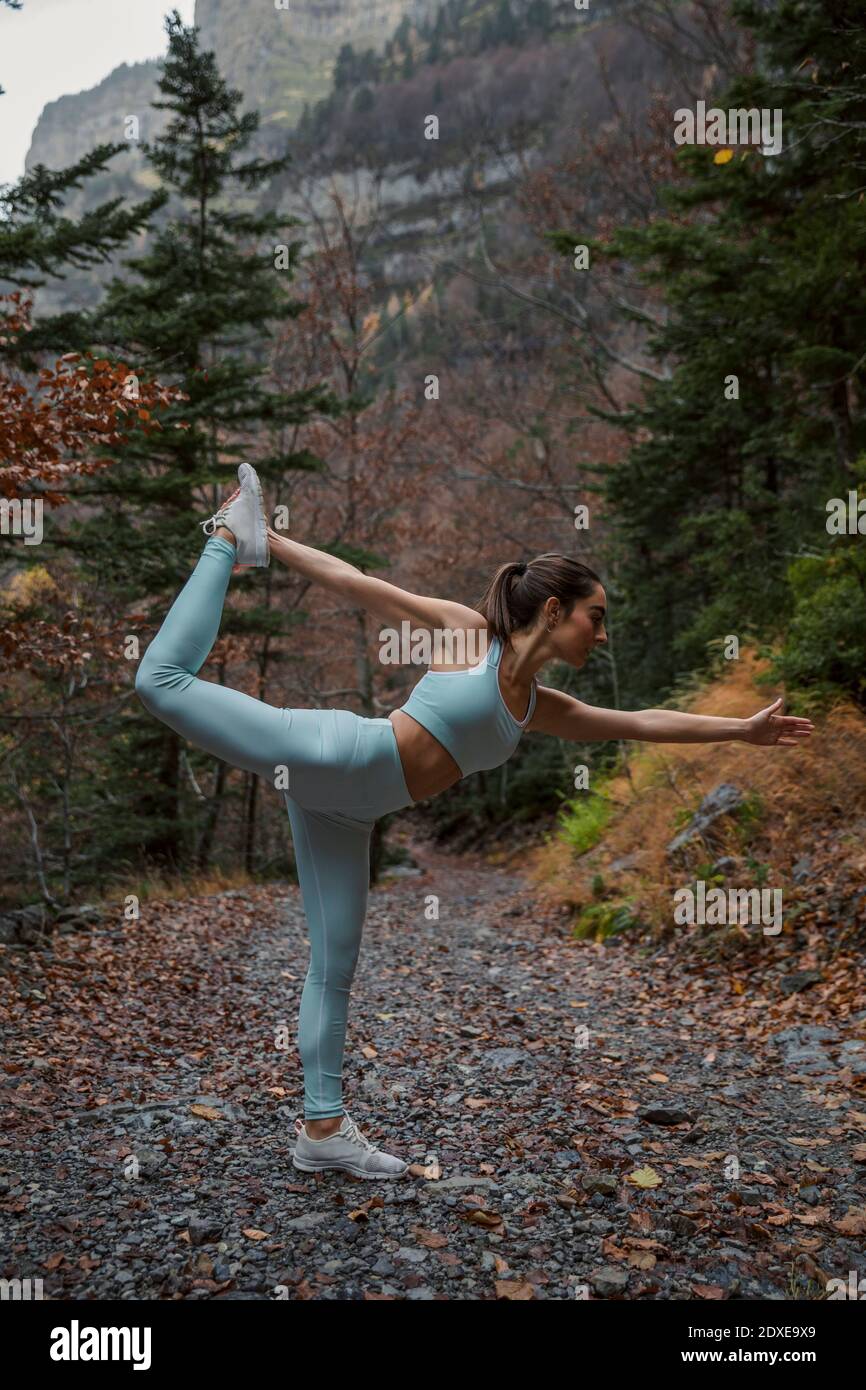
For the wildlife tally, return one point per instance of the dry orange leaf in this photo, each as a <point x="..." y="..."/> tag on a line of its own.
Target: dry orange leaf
<point x="206" y="1112"/>
<point x="853" y="1223"/>
<point x="432" y="1240"/>
<point x="506" y="1288"/>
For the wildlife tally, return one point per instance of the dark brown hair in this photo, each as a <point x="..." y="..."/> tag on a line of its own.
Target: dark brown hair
<point x="517" y="590"/>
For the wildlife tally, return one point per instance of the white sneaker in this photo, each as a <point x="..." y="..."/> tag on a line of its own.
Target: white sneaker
<point x="346" y="1149"/>
<point x="244" y="515"/>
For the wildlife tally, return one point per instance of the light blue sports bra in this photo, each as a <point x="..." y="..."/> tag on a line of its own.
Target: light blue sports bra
<point x="466" y="712"/>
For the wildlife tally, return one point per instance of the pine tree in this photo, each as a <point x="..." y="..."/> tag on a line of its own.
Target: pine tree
<point x="199" y="311"/>
<point x="761" y="267"/>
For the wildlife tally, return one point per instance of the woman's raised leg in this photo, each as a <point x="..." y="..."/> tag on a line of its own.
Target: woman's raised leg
<point x="236" y="727"/>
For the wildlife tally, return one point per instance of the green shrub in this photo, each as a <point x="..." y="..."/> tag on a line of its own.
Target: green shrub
<point x="605" y="919"/>
<point x="583" y="820"/>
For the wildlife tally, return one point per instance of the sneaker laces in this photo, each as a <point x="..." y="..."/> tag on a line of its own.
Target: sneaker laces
<point x="220" y="516"/>
<point x="354" y="1136"/>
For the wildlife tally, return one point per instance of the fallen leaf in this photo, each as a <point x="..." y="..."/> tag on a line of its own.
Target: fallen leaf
<point x="488" y="1219"/>
<point x="432" y="1240"/>
<point x="516" y="1292"/>
<point x="206" y="1112"/>
<point x="644" y="1177"/>
<point x="853" y="1223"/>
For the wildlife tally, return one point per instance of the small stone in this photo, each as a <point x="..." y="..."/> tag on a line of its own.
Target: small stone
<point x="600" y="1183"/>
<point x="666" y="1115"/>
<point x="203" y="1229"/>
<point x="608" y="1281"/>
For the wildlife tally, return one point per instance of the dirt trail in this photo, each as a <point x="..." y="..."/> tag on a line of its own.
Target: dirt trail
<point x="603" y="1118"/>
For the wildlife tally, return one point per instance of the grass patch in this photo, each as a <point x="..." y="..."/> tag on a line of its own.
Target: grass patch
<point x="583" y="820"/>
<point x="601" y="920"/>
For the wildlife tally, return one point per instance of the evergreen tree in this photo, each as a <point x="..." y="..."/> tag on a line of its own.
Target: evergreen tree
<point x="344" y="68"/>
<point x="38" y="243"/>
<point x="200" y="309"/>
<point x="759" y="421"/>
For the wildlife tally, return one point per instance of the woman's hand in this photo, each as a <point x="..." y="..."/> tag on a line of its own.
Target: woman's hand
<point x="767" y="727"/>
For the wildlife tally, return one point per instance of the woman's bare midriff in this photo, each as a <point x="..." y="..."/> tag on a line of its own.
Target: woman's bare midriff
<point x="427" y="767"/>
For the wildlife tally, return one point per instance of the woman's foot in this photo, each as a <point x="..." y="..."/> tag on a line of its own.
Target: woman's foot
<point x="243" y="516"/>
<point x="346" y="1149"/>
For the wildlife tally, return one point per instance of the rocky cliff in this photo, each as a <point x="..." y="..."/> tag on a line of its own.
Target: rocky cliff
<point x="278" y="58"/>
<point x="368" y="142"/>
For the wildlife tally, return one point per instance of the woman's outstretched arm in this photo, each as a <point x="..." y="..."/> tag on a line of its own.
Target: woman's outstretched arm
<point x="376" y="595"/>
<point x="562" y="715"/>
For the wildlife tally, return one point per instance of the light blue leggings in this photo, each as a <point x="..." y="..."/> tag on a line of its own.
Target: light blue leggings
<point x="342" y="772"/>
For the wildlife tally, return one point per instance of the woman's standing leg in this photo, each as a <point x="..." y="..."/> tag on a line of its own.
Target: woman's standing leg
<point x="333" y="863"/>
<point x="332" y="851"/>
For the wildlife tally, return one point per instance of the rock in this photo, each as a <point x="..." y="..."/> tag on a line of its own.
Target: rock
<point x="800" y="980"/>
<point x="721" y="801"/>
<point x="806" y="1033"/>
<point x="451" y="1184"/>
<point x="87" y="913"/>
<point x="726" y="865"/>
<point x="683" y="1225"/>
<point x="203" y="1229"/>
<point x="810" y="1194"/>
<point x="149" y="1160"/>
<point x="626" y="861"/>
<point x="609" y="1281"/>
<point x="801" y="1048"/>
<point x="505" y="1056"/>
<point x="601" y="1183"/>
<point x="591" y="1225"/>
<point x="310" y="1221"/>
<point x="666" y="1115"/>
<point x="24" y="925"/>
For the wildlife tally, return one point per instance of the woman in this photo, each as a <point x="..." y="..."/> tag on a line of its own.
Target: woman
<point x="339" y="772"/>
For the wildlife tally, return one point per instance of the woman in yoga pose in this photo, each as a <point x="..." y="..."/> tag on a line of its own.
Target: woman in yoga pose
<point x="341" y="771"/>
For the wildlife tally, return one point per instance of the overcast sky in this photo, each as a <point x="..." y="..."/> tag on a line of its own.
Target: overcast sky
<point x="50" y="48"/>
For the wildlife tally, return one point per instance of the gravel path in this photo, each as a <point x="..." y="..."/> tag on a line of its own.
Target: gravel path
<point x="582" y="1120"/>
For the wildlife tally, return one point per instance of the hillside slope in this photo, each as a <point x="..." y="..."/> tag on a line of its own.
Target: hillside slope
<point x="800" y="827"/>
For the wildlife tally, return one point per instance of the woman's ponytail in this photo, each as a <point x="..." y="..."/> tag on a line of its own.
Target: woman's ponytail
<point x="518" y="589"/>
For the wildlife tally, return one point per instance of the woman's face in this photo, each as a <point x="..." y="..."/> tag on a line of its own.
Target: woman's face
<point x="579" y="632"/>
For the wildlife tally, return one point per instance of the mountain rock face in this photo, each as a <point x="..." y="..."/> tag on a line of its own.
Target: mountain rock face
<point x="421" y="193"/>
<point x="278" y="58"/>
<point x="71" y="126"/>
<point x="281" y="57"/>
